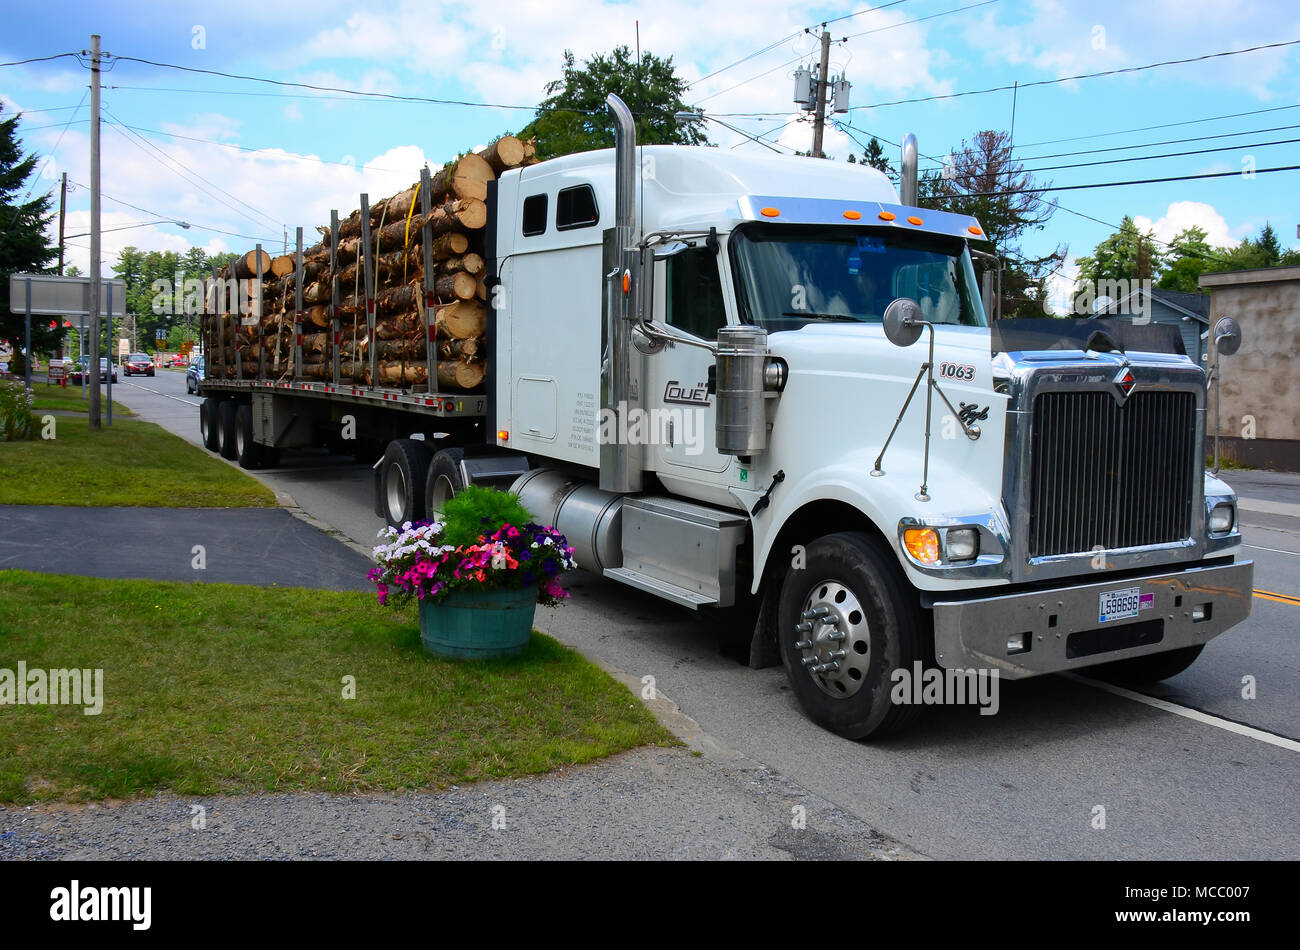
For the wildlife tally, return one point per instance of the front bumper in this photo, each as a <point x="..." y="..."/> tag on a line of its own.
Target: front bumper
<point x="1062" y="630"/>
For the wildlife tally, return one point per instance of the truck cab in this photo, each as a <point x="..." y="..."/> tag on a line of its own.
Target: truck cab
<point x="772" y="381"/>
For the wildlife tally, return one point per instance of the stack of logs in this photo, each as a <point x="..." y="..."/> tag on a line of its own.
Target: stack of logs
<point x="397" y="225"/>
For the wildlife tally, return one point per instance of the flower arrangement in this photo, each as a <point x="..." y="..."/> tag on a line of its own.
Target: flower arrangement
<point x="424" y="560"/>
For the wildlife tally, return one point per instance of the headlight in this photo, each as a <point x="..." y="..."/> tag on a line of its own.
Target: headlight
<point x="1222" y="517"/>
<point x="961" y="544"/>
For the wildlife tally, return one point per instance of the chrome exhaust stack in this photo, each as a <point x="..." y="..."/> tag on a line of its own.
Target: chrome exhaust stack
<point x="907" y="182"/>
<point x="621" y="463"/>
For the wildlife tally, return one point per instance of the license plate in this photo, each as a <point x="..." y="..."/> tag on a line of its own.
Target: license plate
<point x="1118" y="604"/>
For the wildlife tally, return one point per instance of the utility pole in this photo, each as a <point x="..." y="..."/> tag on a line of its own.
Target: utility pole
<point x="92" y="370"/>
<point x="823" y="86"/>
<point x="63" y="210"/>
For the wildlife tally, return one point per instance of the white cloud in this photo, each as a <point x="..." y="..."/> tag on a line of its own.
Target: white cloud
<point x="1181" y="215"/>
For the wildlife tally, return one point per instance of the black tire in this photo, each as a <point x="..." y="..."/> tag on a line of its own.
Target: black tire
<point x="210" y="424"/>
<point x="227" y="422"/>
<point x="402" y="475"/>
<point x="247" y="452"/>
<point x="1146" y="669"/>
<point x="444" y="481"/>
<point x="882" y="634"/>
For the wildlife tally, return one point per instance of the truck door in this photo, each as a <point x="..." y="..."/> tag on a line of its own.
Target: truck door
<point x="689" y="298"/>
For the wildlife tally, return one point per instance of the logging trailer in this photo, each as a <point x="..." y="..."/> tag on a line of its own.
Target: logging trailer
<point x="773" y="384"/>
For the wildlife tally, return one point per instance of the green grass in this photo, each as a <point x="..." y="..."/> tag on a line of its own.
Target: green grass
<point x="131" y="463"/>
<point x="213" y="688"/>
<point x="58" y="397"/>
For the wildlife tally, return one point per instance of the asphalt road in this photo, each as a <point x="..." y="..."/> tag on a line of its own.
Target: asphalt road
<point x="1176" y="781"/>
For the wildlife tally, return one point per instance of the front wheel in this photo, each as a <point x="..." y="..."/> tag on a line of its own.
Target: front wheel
<point x="846" y="621"/>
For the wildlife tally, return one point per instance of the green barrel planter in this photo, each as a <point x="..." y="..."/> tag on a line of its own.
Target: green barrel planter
<point x="479" y="624"/>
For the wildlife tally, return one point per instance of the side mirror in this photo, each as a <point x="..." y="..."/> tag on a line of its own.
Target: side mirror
<point x="903" y="321"/>
<point x="1227" y="336"/>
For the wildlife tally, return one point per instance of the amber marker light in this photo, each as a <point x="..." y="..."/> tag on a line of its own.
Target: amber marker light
<point x="627" y="281"/>
<point x="886" y="216"/>
<point x="503" y="435"/>
<point x="770" y="212"/>
<point x="914" y="220"/>
<point x="853" y="215"/>
<point x="974" y="230"/>
<point x="922" y="544"/>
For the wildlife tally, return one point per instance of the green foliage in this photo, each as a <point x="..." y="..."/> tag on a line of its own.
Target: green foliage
<point x="23" y="245"/>
<point x="573" y="117"/>
<point x="875" y="157"/>
<point x="478" y="511"/>
<point x="1128" y="254"/>
<point x="15" y="411"/>
<point x="151" y="306"/>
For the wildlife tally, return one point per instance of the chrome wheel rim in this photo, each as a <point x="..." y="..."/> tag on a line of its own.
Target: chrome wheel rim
<point x="239" y="440"/>
<point x="833" y="639"/>
<point x="442" y="493"/>
<point x="396" y="482"/>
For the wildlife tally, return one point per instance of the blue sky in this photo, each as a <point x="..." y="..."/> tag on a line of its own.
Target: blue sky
<point x="302" y="153"/>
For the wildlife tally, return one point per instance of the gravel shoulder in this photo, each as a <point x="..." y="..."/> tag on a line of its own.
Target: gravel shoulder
<point x="648" y="803"/>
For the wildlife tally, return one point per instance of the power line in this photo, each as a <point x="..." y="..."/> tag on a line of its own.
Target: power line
<point x="880" y="29"/>
<point x="1117" y="184"/>
<point x="791" y="36"/>
<point x="163" y="220"/>
<point x="1143" y="158"/>
<point x="39" y="59"/>
<point x="1106" y="72"/>
<point x="1166" y="125"/>
<point x="127" y="132"/>
<point x="352" y="92"/>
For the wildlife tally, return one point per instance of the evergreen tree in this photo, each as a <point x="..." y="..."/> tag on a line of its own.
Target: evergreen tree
<point x="24" y="247"/>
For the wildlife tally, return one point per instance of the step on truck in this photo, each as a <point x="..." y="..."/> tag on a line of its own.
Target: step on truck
<point x="773" y="384"/>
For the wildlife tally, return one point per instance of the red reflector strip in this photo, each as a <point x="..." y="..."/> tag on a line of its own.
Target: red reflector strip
<point x="370" y="306"/>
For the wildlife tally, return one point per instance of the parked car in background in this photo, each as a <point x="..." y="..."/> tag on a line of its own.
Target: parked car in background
<point x="178" y="360"/>
<point x="193" y="377"/>
<point x="139" y="363"/>
<point x="83" y="362"/>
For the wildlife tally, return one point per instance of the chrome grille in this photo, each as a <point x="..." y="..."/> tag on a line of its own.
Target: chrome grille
<point x="1111" y="475"/>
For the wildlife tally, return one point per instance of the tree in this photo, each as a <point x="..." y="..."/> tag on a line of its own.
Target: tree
<point x="985" y="182"/>
<point x="24" y="247"/>
<point x="1128" y="255"/>
<point x="573" y="117"/>
<point x="1188" y="257"/>
<point x="875" y="157"/>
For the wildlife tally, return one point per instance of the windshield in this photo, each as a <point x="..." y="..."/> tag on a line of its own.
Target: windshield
<point x="790" y="276"/>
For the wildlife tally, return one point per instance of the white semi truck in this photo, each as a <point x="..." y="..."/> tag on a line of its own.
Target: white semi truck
<point x="770" y="382"/>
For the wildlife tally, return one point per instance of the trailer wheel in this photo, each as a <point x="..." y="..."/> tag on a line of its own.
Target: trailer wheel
<point x="247" y="452"/>
<point x="228" y="423"/>
<point x="845" y="623"/>
<point x="445" y="480"/>
<point x="403" y="471"/>
<point x="210" y="424"/>
<point x="1147" y="669"/>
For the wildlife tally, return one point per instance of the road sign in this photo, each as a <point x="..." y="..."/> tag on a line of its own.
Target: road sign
<point x="123" y="347"/>
<point x="63" y="296"/>
<point x="57" y="370"/>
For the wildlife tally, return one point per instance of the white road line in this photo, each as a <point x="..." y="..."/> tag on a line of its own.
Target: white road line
<point x="168" y="395"/>
<point x="1195" y="715"/>
<point x="1274" y="550"/>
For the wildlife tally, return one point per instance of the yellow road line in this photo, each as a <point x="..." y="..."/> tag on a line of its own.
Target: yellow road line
<point x="1280" y="598"/>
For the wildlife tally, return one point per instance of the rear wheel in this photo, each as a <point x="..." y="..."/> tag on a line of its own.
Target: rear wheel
<point x="228" y="423"/>
<point x="1147" y="669"/>
<point x="846" y="621"/>
<point x="402" y="474"/>
<point x="210" y="425"/>
<point x="247" y="452"/>
<point x="445" y="480"/>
